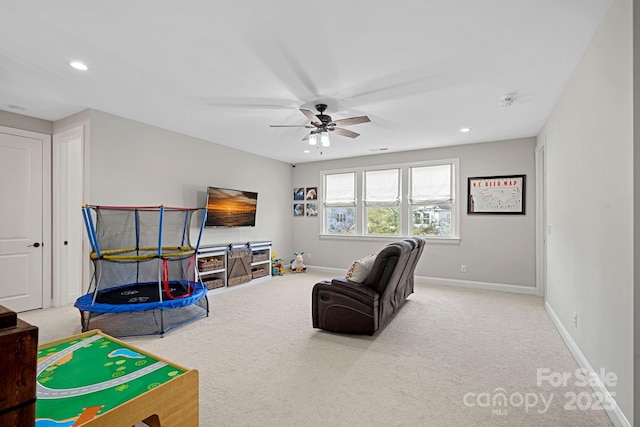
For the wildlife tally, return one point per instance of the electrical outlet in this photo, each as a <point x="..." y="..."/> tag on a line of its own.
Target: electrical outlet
<point x="463" y="268"/>
<point x="575" y="319"/>
<point x="308" y="255"/>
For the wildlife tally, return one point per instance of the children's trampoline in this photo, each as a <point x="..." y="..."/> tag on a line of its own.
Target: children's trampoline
<point x="144" y="270"/>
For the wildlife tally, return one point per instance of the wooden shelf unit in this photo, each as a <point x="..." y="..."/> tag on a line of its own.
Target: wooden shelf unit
<point x="260" y="260"/>
<point x="211" y="266"/>
<point x="216" y="262"/>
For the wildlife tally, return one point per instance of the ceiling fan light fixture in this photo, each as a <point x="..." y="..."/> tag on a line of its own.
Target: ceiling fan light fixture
<point x="322" y="124"/>
<point x="506" y="100"/>
<point x="324" y="139"/>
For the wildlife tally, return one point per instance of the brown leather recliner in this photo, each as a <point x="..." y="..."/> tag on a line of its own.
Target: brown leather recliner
<point x="416" y="253"/>
<point x="362" y="308"/>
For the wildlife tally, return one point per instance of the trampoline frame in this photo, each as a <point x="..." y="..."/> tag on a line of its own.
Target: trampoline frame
<point x="90" y="309"/>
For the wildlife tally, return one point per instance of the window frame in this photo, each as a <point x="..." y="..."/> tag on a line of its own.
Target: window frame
<point x="406" y="219"/>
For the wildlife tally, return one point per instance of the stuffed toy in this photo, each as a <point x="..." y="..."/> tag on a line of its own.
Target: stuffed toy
<point x="297" y="264"/>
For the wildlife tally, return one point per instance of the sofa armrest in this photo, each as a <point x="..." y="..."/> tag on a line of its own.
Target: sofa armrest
<point x="344" y="306"/>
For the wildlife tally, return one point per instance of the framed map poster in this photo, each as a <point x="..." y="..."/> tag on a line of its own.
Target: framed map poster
<point x="496" y="195"/>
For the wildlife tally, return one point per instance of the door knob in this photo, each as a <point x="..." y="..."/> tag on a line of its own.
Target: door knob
<point x="35" y="245"/>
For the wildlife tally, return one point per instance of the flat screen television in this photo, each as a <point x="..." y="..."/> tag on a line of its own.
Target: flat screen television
<point x="231" y="208"/>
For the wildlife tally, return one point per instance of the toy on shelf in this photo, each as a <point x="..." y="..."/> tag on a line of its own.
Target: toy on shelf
<point x="277" y="269"/>
<point x="297" y="263"/>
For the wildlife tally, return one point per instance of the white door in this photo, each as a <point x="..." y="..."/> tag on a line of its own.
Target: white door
<point x="22" y="209"/>
<point x="67" y="216"/>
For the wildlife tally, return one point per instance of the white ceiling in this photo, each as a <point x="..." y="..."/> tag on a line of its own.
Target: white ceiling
<point x="224" y="70"/>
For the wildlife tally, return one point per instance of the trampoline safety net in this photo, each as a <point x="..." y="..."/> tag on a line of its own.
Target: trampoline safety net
<point x="143" y="260"/>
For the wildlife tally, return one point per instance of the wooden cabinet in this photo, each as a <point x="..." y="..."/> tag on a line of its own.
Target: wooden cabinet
<point x="230" y="264"/>
<point x="18" y="361"/>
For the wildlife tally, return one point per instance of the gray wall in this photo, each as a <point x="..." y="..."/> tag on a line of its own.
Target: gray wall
<point x="589" y="153"/>
<point x="497" y="249"/>
<point x="132" y="163"/>
<point x="19" y="121"/>
<point x="636" y="216"/>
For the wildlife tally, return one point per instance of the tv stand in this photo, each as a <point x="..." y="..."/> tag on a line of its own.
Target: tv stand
<point x="225" y="265"/>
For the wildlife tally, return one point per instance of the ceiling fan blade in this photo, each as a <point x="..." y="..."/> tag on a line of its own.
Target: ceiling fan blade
<point x="292" y="126"/>
<point x="344" y="132"/>
<point x="352" y="121"/>
<point x="311" y="116"/>
<point x="249" y="103"/>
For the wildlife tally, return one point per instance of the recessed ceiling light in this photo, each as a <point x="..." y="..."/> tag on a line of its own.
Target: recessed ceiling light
<point x="465" y="130"/>
<point x="307" y="151"/>
<point x="78" y="65"/>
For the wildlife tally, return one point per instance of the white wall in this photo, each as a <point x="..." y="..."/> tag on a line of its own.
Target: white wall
<point x="497" y="249"/>
<point x="589" y="153"/>
<point x="132" y="163"/>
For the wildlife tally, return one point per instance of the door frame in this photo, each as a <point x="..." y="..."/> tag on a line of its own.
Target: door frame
<point x="62" y="293"/>
<point x="541" y="218"/>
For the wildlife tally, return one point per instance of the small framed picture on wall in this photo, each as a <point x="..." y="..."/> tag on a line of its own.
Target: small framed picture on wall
<point x="298" y="193"/>
<point x="298" y="209"/>
<point x="311" y="209"/>
<point x="311" y="193"/>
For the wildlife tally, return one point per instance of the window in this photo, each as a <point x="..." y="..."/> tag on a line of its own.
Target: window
<point x="340" y="203"/>
<point x="417" y="199"/>
<point x="382" y="201"/>
<point x="431" y="199"/>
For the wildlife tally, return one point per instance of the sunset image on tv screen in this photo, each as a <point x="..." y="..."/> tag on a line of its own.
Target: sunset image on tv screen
<point x="231" y="208"/>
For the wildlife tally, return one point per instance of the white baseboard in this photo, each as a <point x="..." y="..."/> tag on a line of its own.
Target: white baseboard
<point x="528" y="290"/>
<point x="335" y="272"/>
<point x="487" y="286"/>
<point x="616" y="415"/>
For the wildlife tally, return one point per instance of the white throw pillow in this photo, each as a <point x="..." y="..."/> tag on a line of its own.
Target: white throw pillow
<point x="361" y="268"/>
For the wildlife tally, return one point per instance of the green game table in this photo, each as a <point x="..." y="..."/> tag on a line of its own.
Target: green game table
<point x="93" y="379"/>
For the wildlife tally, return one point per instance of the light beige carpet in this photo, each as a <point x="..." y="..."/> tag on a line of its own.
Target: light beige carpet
<point x="446" y="359"/>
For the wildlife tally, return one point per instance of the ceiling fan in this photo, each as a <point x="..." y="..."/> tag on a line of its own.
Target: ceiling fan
<point x="323" y="124"/>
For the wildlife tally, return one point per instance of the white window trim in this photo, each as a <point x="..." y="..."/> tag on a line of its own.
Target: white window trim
<point x="404" y="204"/>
